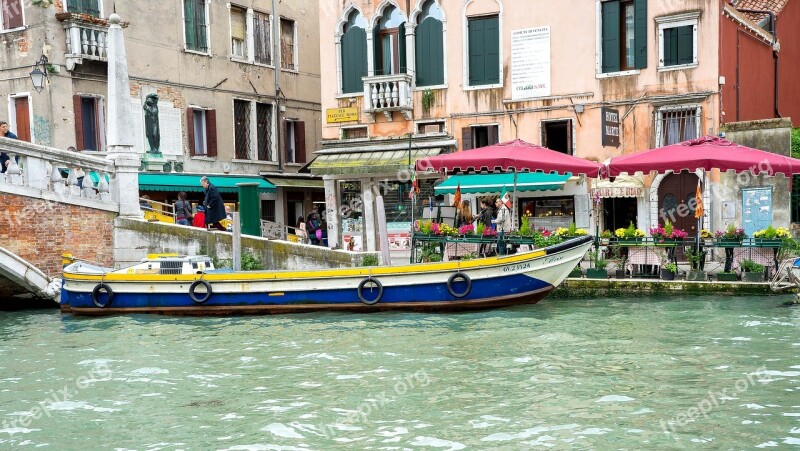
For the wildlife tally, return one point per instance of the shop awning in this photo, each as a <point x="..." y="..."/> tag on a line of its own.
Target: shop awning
<point x="288" y="182"/>
<point x="494" y="183"/>
<point x="191" y="182"/>
<point x="622" y="186"/>
<point x="385" y="161"/>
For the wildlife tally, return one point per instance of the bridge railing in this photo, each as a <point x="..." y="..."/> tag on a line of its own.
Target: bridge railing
<point x="64" y="172"/>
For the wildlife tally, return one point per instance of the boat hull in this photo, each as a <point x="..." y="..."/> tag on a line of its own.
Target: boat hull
<point x="486" y="283"/>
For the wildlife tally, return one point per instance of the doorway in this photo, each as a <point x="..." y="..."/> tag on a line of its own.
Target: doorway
<point x="557" y="135"/>
<point x="619" y="212"/>
<point x="676" y="201"/>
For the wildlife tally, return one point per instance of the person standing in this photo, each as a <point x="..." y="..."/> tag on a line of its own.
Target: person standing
<point x="215" y="208"/>
<point x="199" y="219"/>
<point x="485" y="218"/>
<point x="300" y="229"/>
<point x="183" y="210"/>
<point x="464" y="216"/>
<point x="4" y="158"/>
<point x="312" y="225"/>
<point x="503" y="222"/>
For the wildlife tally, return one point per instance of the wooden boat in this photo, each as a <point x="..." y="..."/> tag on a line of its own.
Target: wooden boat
<point x="179" y="285"/>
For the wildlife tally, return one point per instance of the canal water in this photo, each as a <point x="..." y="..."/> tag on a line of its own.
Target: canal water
<point x="641" y="373"/>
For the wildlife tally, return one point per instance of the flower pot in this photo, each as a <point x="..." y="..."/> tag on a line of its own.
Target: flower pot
<point x="727" y="277"/>
<point x="620" y="274"/>
<point x="594" y="273"/>
<point x="753" y="276"/>
<point x="697" y="276"/>
<point x="764" y="242"/>
<point x="630" y="241"/>
<point x="729" y="242"/>
<point x="666" y="274"/>
<point x="576" y="273"/>
<point x="604" y="241"/>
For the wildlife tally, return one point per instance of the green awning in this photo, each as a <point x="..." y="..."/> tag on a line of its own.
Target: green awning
<point x="150" y="181"/>
<point x="494" y="183"/>
<point x="290" y="182"/>
<point x="384" y="161"/>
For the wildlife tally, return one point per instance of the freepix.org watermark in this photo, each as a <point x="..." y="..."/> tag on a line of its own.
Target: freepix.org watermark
<point x="714" y="400"/>
<point x="373" y="403"/>
<point x="99" y="373"/>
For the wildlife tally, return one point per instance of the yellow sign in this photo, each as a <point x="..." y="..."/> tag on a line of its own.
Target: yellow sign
<point x="341" y="114"/>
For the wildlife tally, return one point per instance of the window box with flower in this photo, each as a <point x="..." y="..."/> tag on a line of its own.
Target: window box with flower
<point x="667" y="235"/>
<point x="771" y="236"/>
<point x="629" y="235"/>
<point x="730" y="237"/>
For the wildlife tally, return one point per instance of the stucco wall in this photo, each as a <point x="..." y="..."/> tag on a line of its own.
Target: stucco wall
<point x="134" y="239"/>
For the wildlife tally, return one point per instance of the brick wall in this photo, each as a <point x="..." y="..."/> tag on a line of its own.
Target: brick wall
<point x="39" y="231"/>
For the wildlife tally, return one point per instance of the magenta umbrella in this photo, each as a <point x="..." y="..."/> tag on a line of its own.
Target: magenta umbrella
<point x="511" y="156"/>
<point x="704" y="153"/>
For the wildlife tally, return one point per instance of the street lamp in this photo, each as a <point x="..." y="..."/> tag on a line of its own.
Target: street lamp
<point x="39" y="74"/>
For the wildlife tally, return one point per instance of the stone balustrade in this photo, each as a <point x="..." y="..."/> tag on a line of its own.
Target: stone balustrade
<point x="67" y="174"/>
<point x="387" y="94"/>
<point x="87" y="38"/>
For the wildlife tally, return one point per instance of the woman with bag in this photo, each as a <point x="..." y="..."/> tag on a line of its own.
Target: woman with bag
<point x="183" y="210"/>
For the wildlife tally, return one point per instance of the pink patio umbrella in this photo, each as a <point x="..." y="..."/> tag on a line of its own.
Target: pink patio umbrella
<point x="511" y="156"/>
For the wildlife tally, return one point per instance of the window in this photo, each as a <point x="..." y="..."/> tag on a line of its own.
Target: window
<point x="238" y="32"/>
<point x="623" y="35"/>
<point x="354" y="132"/>
<point x="262" y="41"/>
<point x="479" y="136"/>
<point x="241" y="129"/>
<point x="677" y="124"/>
<point x="429" y="46"/>
<point x="484" y="50"/>
<point x="288" y="53"/>
<point x="425" y="128"/>
<point x="195" y="23"/>
<point x="89" y="123"/>
<point x="295" y="141"/>
<point x="91" y="7"/>
<point x="202" y="131"/>
<point x="354" y="53"/>
<point x="11" y="13"/>
<point x="677" y="37"/>
<point x="389" y="43"/>
<point x="264" y="131"/>
<point x="557" y="135"/>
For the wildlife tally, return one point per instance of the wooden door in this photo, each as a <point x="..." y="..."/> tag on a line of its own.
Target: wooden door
<point x="23" y="115"/>
<point x="675" y="202"/>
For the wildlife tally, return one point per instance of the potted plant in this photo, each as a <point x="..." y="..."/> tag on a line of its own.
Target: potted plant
<point x="729" y="276"/>
<point x="695" y="257"/>
<point x="668" y="271"/>
<point x="667" y="234"/>
<point x="599" y="270"/>
<point x="752" y="271"/>
<point x="466" y="229"/>
<point x="730" y="237"/>
<point x="771" y="237"/>
<point x="605" y="237"/>
<point x="707" y="237"/>
<point x="621" y="258"/>
<point x="629" y="235"/>
<point x="570" y="232"/>
<point x="576" y="272"/>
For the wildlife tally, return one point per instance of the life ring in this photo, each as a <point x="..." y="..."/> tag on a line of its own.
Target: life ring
<point x="459" y="277"/>
<point x="96" y="295"/>
<point x="361" y="291"/>
<point x="194" y="285"/>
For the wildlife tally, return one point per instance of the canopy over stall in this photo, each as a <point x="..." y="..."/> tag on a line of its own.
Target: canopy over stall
<point x="495" y="183"/>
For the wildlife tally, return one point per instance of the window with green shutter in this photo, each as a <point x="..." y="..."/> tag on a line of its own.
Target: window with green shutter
<point x="91" y="7"/>
<point x="429" y="45"/>
<point x="623" y="34"/>
<point x="677" y="36"/>
<point x="195" y="25"/>
<point x="484" y="50"/>
<point x="354" y="53"/>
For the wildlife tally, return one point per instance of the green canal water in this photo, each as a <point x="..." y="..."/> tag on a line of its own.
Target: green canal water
<point x="650" y="373"/>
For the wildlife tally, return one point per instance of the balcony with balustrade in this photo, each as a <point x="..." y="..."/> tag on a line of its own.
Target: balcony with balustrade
<point x="86" y="38"/>
<point x="387" y="94"/>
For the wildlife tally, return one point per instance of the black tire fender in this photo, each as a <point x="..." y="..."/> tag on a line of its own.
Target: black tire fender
<point x="195" y="298"/>
<point x="96" y="295"/>
<point x="458" y="277"/>
<point x="361" y="290"/>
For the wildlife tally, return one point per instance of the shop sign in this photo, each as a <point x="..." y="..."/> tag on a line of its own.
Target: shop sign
<point x="341" y="114"/>
<point x="610" y="124"/>
<point x="617" y="191"/>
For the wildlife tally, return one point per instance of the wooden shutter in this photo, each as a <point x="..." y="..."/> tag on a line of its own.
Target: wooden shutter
<point x="492" y="36"/>
<point x="670" y="46"/>
<point x="640" y="33"/>
<point x="77" y="106"/>
<point x="189" y="24"/>
<point x="211" y="133"/>
<point x="22" y="113"/>
<point x="429" y="53"/>
<point x="476" y="52"/>
<point x="610" y="35"/>
<point x="466" y="138"/>
<point x="401" y="47"/>
<point x="685" y="44"/>
<point x="12" y="14"/>
<point x="261" y="30"/>
<point x="376" y="52"/>
<point x="492" y="134"/>
<point x="190" y="129"/>
<point x="238" y="27"/>
<point x="300" y="142"/>
<point x="354" y="60"/>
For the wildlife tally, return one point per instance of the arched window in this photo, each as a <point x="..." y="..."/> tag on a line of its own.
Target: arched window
<point x="429" y="45"/>
<point x="354" y="53"/>
<point x="389" y="43"/>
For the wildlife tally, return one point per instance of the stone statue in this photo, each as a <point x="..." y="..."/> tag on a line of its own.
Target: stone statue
<point x="151" y="128"/>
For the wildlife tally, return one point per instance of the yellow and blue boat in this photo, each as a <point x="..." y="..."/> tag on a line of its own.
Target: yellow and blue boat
<point x="189" y="285"/>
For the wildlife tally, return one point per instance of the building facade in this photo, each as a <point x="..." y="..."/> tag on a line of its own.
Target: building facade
<point x="217" y="88"/>
<point x="594" y="79"/>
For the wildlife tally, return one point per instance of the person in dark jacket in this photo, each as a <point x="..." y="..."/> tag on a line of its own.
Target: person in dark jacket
<point x="4" y="159"/>
<point x="215" y="208"/>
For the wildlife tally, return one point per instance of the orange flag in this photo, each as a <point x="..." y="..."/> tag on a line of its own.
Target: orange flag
<point x="698" y="197"/>
<point x="457" y="197"/>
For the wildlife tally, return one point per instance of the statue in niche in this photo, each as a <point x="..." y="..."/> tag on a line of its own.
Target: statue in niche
<point x="151" y="127"/>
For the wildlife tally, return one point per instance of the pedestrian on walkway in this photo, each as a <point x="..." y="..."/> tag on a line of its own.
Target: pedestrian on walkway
<point x="215" y="208"/>
<point x="183" y="210"/>
<point x="5" y="161"/>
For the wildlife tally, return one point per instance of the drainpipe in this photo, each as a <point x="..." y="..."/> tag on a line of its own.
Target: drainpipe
<point x="275" y="48"/>
<point x="774" y="29"/>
